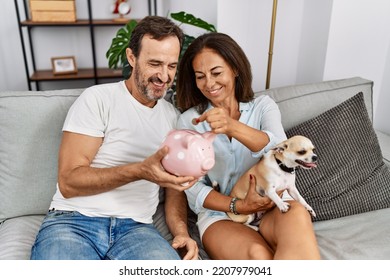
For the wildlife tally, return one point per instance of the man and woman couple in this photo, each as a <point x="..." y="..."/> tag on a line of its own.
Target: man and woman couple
<point x="110" y="172"/>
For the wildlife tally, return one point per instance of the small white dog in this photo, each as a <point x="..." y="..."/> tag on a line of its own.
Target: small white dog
<point x="276" y="172"/>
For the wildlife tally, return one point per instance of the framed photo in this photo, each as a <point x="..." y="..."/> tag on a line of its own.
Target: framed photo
<point x="64" y="65"/>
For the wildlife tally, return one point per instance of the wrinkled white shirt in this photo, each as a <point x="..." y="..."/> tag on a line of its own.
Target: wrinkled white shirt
<point x="131" y="132"/>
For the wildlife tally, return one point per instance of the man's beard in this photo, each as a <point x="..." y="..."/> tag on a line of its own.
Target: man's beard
<point x="142" y="86"/>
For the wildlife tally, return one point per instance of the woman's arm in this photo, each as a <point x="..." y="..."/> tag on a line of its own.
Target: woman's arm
<point x="252" y="203"/>
<point x="265" y="126"/>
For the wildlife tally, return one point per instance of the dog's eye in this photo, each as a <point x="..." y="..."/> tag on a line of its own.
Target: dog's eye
<point x="301" y="152"/>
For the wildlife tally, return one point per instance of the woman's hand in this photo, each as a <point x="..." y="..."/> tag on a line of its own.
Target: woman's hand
<point x="219" y="120"/>
<point x="254" y="202"/>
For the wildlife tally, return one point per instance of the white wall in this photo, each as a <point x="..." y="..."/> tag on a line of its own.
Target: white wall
<point x="248" y="22"/>
<point x="359" y="45"/>
<point x="315" y="40"/>
<point x="12" y="73"/>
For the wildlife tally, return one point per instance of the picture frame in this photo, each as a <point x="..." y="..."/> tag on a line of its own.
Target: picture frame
<point x="64" y="65"/>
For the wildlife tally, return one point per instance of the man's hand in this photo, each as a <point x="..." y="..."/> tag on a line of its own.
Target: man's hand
<point x="152" y="170"/>
<point x="186" y="245"/>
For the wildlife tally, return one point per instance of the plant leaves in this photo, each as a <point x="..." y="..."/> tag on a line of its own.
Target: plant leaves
<point x="187" y="41"/>
<point x="192" y="20"/>
<point x="116" y="54"/>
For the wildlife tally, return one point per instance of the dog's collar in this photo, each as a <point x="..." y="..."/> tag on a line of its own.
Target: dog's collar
<point x="290" y="170"/>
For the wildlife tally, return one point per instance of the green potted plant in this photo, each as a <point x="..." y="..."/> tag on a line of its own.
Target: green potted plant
<point x="116" y="54"/>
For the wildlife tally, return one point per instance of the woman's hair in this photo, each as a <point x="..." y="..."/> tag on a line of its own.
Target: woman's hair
<point x="188" y="94"/>
<point x="158" y="28"/>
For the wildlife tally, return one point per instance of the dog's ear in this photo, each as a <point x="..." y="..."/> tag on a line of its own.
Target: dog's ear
<point x="280" y="148"/>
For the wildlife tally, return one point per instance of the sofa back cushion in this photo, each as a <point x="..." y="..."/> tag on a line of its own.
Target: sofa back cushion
<point x="351" y="177"/>
<point x="300" y="103"/>
<point x="30" y="134"/>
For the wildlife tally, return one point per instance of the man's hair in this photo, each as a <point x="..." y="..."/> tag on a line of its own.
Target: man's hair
<point x="157" y="28"/>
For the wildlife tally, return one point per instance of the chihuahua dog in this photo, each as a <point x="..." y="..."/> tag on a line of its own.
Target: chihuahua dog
<point x="275" y="172"/>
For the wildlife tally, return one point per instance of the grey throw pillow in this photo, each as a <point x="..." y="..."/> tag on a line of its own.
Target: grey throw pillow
<point x="351" y="176"/>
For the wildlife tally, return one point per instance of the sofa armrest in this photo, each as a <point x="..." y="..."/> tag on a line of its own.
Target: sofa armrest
<point x="384" y="142"/>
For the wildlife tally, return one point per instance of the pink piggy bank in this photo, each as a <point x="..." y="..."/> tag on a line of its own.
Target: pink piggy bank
<point x="190" y="153"/>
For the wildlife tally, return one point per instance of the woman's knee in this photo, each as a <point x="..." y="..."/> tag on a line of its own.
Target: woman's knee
<point x="276" y="222"/>
<point x="297" y="212"/>
<point x="260" y="252"/>
<point x="230" y="240"/>
<point x="301" y="212"/>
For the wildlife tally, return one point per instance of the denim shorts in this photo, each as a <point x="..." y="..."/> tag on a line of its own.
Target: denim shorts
<point x="69" y="235"/>
<point x="208" y="217"/>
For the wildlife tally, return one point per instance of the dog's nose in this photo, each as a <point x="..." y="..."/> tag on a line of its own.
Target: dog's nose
<point x="314" y="158"/>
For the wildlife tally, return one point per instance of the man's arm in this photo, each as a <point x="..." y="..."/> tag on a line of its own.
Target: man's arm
<point x="76" y="177"/>
<point x="176" y="218"/>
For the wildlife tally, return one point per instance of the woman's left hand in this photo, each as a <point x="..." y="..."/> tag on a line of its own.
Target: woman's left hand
<point x="253" y="202"/>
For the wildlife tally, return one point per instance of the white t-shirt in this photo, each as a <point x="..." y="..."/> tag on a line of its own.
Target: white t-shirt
<point x="131" y="132"/>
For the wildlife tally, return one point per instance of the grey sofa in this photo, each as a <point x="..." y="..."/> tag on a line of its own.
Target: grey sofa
<point x="30" y="133"/>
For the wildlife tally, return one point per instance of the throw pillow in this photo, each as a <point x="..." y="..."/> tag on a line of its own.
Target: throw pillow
<point x="351" y="176"/>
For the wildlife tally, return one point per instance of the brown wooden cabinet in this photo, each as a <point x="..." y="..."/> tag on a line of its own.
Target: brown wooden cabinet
<point x="39" y="75"/>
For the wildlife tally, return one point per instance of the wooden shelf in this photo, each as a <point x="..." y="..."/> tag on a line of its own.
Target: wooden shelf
<point x="101" y="73"/>
<point x="79" y="22"/>
<point x="36" y="76"/>
<point x="108" y="22"/>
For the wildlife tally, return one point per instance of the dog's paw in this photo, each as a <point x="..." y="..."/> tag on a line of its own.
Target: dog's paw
<point x="251" y="218"/>
<point x="284" y="207"/>
<point x="311" y="211"/>
<point x="215" y="186"/>
<point x="255" y="228"/>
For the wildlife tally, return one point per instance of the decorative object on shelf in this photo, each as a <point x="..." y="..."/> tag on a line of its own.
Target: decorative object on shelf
<point x="64" y="65"/>
<point x="50" y="11"/>
<point x="121" y="7"/>
<point x="116" y="54"/>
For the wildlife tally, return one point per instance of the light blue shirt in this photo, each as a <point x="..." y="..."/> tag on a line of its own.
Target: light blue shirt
<point x="232" y="158"/>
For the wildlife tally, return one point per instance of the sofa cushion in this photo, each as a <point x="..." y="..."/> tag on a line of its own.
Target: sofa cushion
<point x="384" y="142"/>
<point x="351" y="177"/>
<point x="30" y="133"/>
<point x="299" y="103"/>
<point x="17" y="236"/>
<point x="362" y="236"/>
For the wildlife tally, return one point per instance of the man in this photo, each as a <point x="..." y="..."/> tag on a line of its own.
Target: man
<point x="109" y="170"/>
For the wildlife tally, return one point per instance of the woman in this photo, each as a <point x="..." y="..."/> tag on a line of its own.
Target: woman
<point x="214" y="92"/>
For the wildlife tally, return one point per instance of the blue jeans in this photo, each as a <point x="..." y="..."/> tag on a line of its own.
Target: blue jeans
<point x="68" y="235"/>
